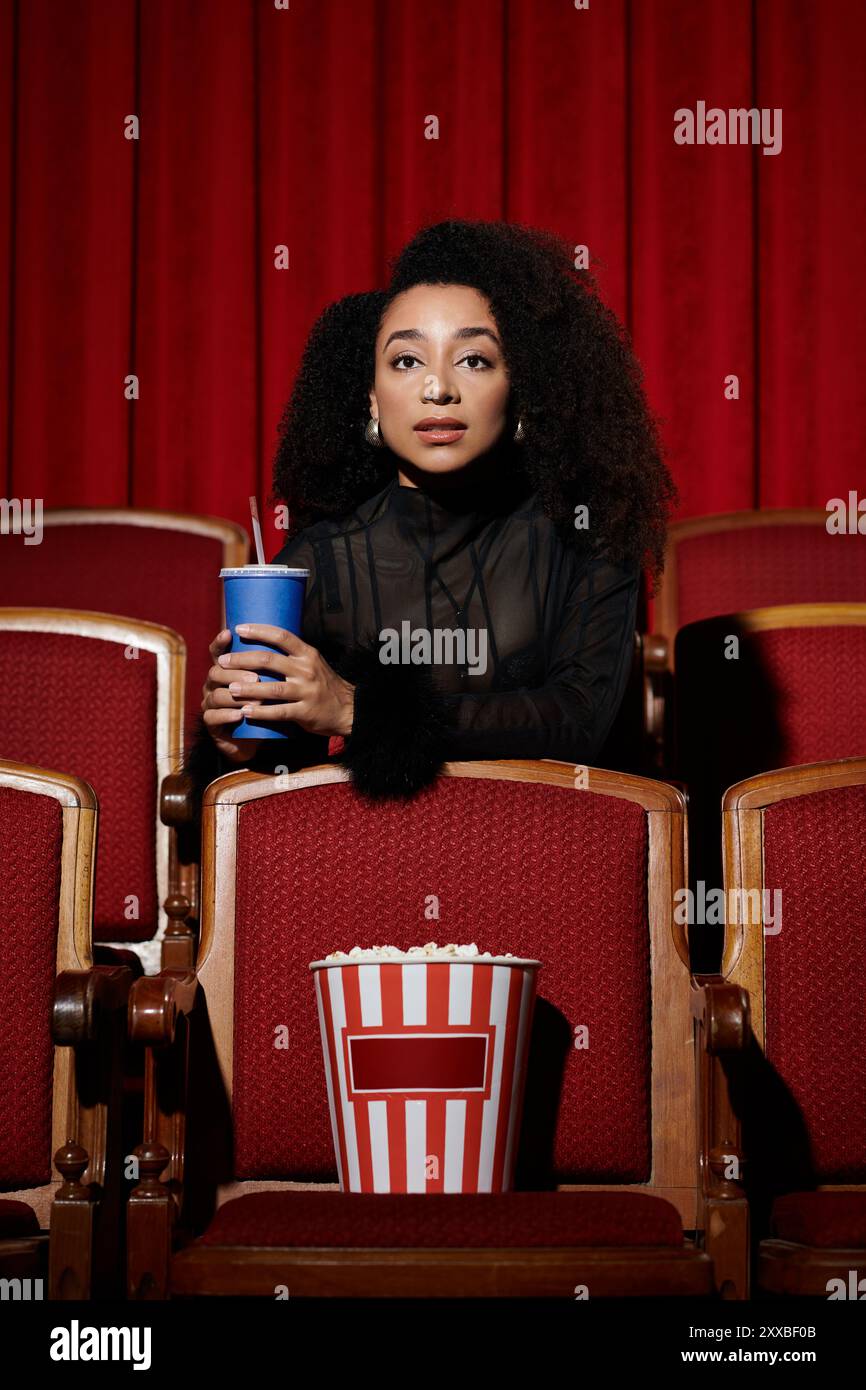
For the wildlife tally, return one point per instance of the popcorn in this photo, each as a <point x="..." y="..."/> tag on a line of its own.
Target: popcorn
<point x="450" y="952"/>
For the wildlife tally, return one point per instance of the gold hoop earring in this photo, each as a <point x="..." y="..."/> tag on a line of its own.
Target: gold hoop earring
<point x="372" y="435"/>
<point x="519" y="433"/>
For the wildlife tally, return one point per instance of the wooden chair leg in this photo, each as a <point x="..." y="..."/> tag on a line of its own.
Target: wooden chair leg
<point x="150" y="1227"/>
<point x="159" y="1009"/>
<point x="727" y="1241"/>
<point x="70" y="1257"/>
<point x="179" y="943"/>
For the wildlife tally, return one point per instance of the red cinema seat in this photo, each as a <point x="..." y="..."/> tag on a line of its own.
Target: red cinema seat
<point x="102" y="698"/>
<point x="156" y="566"/>
<point x="64" y="1024"/>
<point x="239" y="1189"/>
<point x="736" y="562"/>
<point x="799" y="836"/>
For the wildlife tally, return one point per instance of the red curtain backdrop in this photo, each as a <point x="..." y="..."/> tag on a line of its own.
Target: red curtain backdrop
<point x="305" y="126"/>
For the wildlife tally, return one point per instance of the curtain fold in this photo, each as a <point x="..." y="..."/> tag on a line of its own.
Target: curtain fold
<point x="307" y="128"/>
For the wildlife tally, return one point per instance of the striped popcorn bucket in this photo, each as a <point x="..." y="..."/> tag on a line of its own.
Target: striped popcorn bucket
<point x="425" y="1064"/>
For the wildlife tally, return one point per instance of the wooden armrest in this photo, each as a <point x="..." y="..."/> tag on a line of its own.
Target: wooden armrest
<point x="155" y="1001"/>
<point x="723" y="1010"/>
<point x="82" y="996"/>
<point x="655" y="652"/>
<point x="656" y="679"/>
<point x="176" y="799"/>
<point x="722" y="1036"/>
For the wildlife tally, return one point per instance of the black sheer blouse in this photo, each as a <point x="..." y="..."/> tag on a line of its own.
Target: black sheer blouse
<point x="535" y="645"/>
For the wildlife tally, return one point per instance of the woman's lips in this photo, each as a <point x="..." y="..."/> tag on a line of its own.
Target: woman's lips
<point x="440" y="434"/>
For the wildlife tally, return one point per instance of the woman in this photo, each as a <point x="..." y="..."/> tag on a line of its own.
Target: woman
<point x="475" y="482"/>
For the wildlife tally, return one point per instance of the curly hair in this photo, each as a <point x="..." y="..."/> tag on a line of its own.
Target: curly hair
<point x="574" y="380"/>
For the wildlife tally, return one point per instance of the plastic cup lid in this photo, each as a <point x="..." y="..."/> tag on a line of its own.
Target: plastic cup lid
<point x="245" y="571"/>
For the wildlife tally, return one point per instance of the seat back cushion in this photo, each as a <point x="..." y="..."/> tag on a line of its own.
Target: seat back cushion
<point x="144" y="572"/>
<point x="88" y="707"/>
<point x="815" y="967"/>
<point x="763" y="566"/>
<point x="31" y="841"/>
<point x="789" y="696"/>
<point x="539" y="871"/>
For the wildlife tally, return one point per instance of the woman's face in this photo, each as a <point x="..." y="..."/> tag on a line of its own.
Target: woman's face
<point x="438" y="356"/>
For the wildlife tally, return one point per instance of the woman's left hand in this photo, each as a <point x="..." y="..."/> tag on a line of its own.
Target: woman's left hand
<point x="309" y="691"/>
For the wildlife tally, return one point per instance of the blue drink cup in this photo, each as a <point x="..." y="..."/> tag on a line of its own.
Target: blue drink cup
<point x="272" y="594"/>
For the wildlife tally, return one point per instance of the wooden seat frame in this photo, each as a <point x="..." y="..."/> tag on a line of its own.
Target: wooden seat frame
<point x="162" y="1261"/>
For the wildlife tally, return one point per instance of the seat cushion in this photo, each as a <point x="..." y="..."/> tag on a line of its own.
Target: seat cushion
<point x="488" y="1220"/>
<point x="17" y="1219"/>
<point x="827" y="1219"/>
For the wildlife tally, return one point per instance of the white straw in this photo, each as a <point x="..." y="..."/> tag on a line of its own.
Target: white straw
<point x="257" y="531"/>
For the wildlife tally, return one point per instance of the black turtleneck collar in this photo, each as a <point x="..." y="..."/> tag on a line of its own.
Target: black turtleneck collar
<point x="442" y="524"/>
<point x="482" y="498"/>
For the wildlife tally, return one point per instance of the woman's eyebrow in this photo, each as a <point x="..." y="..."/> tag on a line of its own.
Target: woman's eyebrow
<point x="417" y="336"/>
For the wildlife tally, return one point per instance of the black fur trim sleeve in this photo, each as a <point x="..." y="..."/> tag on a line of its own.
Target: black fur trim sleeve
<point x="396" y="747"/>
<point x="203" y="762"/>
<point x="398" y="739"/>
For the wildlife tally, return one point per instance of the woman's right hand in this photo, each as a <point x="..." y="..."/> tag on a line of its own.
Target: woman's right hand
<point x="221" y="709"/>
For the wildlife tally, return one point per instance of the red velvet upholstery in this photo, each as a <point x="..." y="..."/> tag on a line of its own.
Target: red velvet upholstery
<point x="31" y="834"/>
<point x="793" y="695"/>
<point x="815" y="969"/>
<point x="536" y="870"/>
<point x="17" y="1220"/>
<point x="77" y="704"/>
<point x="831" y="1220"/>
<point x="763" y="566"/>
<point x="820" y="674"/>
<point x="494" y="1220"/>
<point x="148" y="572"/>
